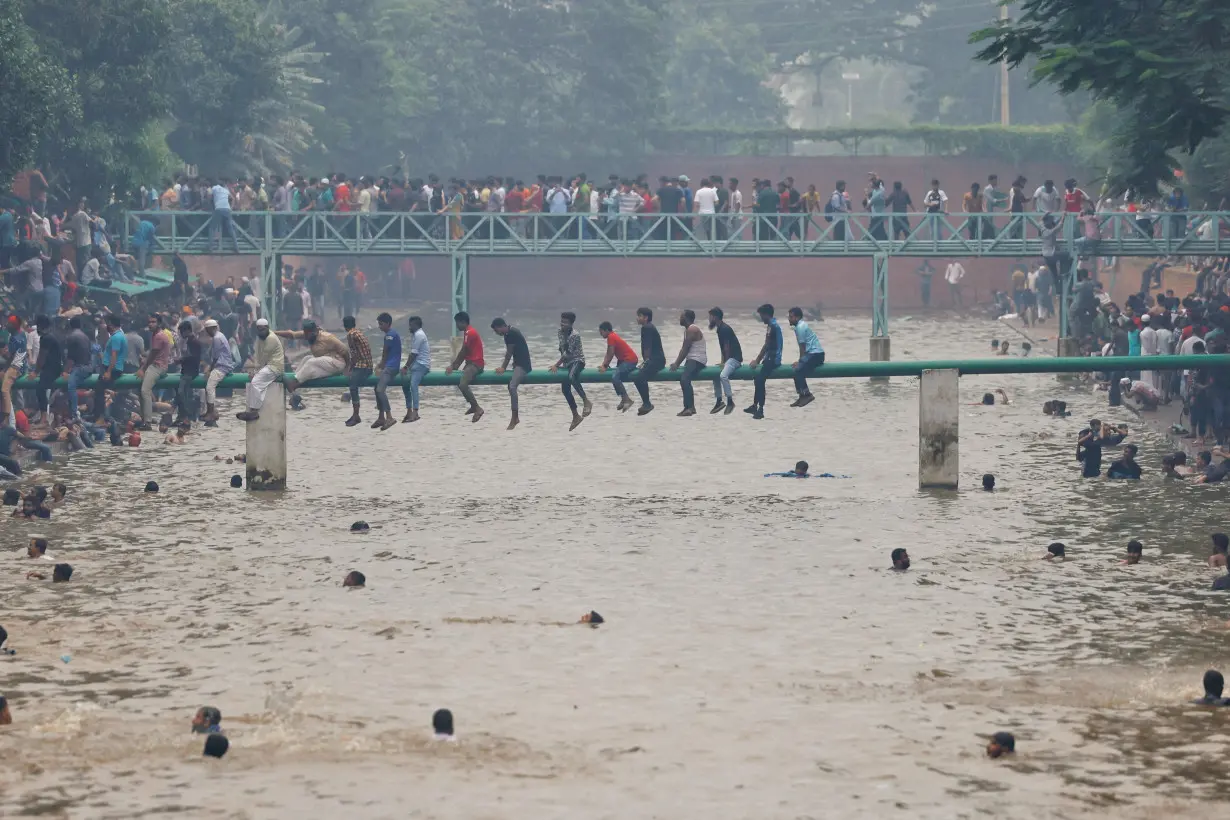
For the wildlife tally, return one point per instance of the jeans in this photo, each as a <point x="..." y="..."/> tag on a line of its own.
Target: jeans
<point x="690" y="368"/>
<point x="358" y="375"/>
<point x="647" y="372"/>
<point x="765" y="369"/>
<point x="51" y="300"/>
<point x="622" y="371"/>
<point x="468" y="374"/>
<point x="722" y="383"/>
<point x="519" y="374"/>
<point x="574" y="383"/>
<point x="411" y="390"/>
<point x="382" y="390"/>
<point x="152" y="374"/>
<point x="185" y="398"/>
<point x="807" y="364"/>
<point x="221" y="223"/>
<point x="75" y="377"/>
<point x="142" y="255"/>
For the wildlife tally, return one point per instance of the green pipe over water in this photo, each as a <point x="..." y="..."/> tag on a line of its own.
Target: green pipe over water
<point x="834" y="370"/>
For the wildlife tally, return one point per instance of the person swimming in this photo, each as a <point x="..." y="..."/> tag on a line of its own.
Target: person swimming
<point x="1055" y="552"/>
<point x="360" y="526"/>
<point x="236" y="481"/>
<point x="60" y="574"/>
<point x="1221" y="544"/>
<point x="4" y="637"/>
<point x="442" y="725"/>
<point x="901" y="559"/>
<point x="12" y="498"/>
<point x="800" y="469"/>
<point x="1125" y="466"/>
<point x="1134" y="552"/>
<point x="1214" y="683"/>
<point x="988" y="399"/>
<point x="354" y="578"/>
<point x="592" y="618"/>
<point x="37" y="548"/>
<point x="1002" y="743"/>
<point x="151" y="486"/>
<point x="988" y="482"/>
<point x="216" y="745"/>
<point x="994" y="345"/>
<point x="6" y="717"/>
<point x="208" y="719"/>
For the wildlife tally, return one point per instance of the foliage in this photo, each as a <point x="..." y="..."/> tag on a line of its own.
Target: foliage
<point x="1018" y="144"/>
<point x="1160" y="63"/>
<point x="36" y="95"/>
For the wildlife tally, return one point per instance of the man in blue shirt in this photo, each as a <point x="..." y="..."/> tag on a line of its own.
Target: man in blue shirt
<point x="114" y="355"/>
<point x="142" y="243"/>
<point x="390" y="364"/>
<point x="811" y="356"/>
<point x="768" y="360"/>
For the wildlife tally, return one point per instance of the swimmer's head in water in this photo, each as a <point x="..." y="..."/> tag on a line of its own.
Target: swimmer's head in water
<point x="236" y="481"/>
<point x="442" y="722"/>
<point x="1003" y="346"/>
<point x="216" y="745"/>
<point x="988" y="482"/>
<point x="592" y="618"/>
<point x="6" y="717"/>
<point x="1214" y="683"/>
<point x="800" y="468"/>
<point x="995" y="344"/>
<point x="1134" y="551"/>
<point x="1220" y="542"/>
<point x="37" y="548"/>
<point x="1002" y="743"/>
<point x="1026" y="346"/>
<point x="62" y="573"/>
<point x="1055" y="550"/>
<point x="207" y="719"/>
<point x="1048" y="408"/>
<point x="988" y="398"/>
<point x="151" y="486"/>
<point x="901" y="558"/>
<point x="11" y="498"/>
<point x="1130" y="451"/>
<point x="359" y="526"/>
<point x="354" y="578"/>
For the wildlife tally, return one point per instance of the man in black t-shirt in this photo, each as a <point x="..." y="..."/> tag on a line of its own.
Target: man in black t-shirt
<point x="731" y="354"/>
<point x="518" y="352"/>
<point x="653" y="358"/>
<point x="670" y="201"/>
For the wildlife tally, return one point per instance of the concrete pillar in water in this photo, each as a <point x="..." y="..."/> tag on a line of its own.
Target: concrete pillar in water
<point x="267" y="443"/>
<point x="939" y="413"/>
<point x="881" y="351"/>
<point x="1069" y="346"/>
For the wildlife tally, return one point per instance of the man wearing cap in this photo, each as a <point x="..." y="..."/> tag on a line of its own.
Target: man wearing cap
<point x="329" y="354"/>
<point x="219" y="363"/>
<point x="270" y="362"/>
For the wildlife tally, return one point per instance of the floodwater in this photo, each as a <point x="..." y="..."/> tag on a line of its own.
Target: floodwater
<point x="759" y="658"/>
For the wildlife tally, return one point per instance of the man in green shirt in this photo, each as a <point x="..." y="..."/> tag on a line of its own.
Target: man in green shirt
<point x="270" y="362"/>
<point x="768" y="204"/>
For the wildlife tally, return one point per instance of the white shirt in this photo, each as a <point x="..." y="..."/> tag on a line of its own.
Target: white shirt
<point x="954" y="273"/>
<point x="1148" y="341"/>
<point x="1188" y="344"/>
<point x="254" y="304"/>
<point x="1048" y="203"/>
<point x="593" y="200"/>
<point x="1165" y="341"/>
<point x="307" y="302"/>
<point x="736" y="202"/>
<point x="365" y="201"/>
<point x="420" y="348"/>
<point x="222" y="198"/>
<point x="706" y="200"/>
<point x="32" y="346"/>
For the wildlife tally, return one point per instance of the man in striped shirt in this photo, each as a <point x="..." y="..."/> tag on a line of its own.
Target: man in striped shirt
<point x="572" y="359"/>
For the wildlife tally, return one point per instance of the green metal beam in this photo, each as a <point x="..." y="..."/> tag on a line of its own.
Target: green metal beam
<point x="833" y="370"/>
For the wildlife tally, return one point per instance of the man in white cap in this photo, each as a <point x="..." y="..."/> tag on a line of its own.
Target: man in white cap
<point x="1145" y="393"/>
<point x="1149" y="347"/>
<point x="270" y="363"/>
<point x="219" y="363"/>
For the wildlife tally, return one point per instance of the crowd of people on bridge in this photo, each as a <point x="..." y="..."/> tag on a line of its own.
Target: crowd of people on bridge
<point x="710" y="207"/>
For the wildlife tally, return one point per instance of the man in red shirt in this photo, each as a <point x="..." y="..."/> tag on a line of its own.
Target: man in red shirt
<point x="625" y="358"/>
<point x="1074" y="198"/>
<point x="471" y="356"/>
<point x="341" y="194"/>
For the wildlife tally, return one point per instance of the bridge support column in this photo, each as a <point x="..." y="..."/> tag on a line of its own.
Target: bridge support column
<point x="461" y="292"/>
<point x="270" y="290"/>
<point x="266" y="443"/>
<point x="939" y="416"/>
<point x="880" y="348"/>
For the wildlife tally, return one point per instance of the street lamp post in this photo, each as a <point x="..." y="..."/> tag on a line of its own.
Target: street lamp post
<point x="851" y="78"/>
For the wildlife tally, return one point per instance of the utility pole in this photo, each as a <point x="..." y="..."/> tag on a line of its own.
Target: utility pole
<point x="1005" y="117"/>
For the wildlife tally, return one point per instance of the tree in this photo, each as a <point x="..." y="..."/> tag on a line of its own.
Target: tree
<point x="1160" y="62"/>
<point x="36" y="96"/>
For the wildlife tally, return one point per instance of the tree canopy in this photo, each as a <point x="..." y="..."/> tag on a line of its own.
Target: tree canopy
<point x="1160" y="63"/>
